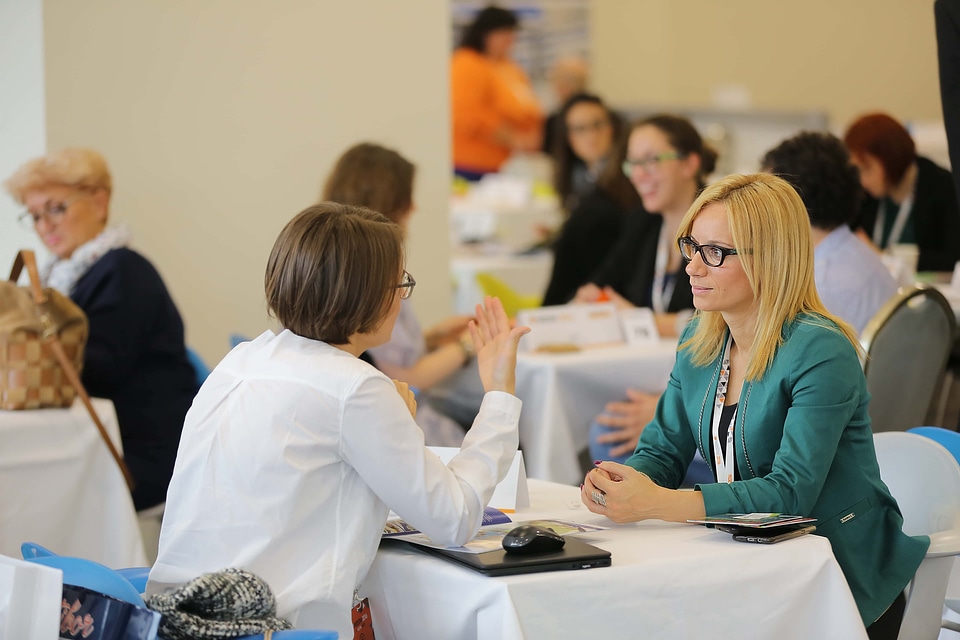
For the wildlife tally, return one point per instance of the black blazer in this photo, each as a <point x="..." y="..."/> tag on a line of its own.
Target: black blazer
<point x="630" y="267"/>
<point x="585" y="240"/>
<point x="935" y="215"/>
<point x="136" y="357"/>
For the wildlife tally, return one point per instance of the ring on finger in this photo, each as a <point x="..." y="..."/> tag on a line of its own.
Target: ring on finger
<point x="599" y="498"/>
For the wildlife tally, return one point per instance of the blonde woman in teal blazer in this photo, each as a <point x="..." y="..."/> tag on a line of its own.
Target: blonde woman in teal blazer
<point x="795" y="398"/>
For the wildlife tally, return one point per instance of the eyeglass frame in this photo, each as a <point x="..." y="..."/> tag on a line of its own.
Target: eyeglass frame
<point x="650" y="163"/>
<point x="698" y="248"/>
<point x="406" y="287"/>
<point x="52" y="214"/>
<point x="589" y="127"/>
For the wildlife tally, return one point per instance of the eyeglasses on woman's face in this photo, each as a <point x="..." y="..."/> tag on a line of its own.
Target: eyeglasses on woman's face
<point x="649" y="163"/>
<point x="52" y="212"/>
<point x="406" y="286"/>
<point x="711" y="254"/>
<point x="580" y="128"/>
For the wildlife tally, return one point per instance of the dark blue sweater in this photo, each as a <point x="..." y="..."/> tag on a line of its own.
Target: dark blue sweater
<point x="135" y="356"/>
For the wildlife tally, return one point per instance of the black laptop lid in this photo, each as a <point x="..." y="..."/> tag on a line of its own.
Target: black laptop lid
<point x="575" y="554"/>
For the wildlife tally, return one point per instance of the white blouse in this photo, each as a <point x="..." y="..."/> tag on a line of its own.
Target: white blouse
<point x="291" y="457"/>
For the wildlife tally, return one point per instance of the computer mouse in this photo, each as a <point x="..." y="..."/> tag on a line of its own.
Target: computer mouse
<point x="528" y="538"/>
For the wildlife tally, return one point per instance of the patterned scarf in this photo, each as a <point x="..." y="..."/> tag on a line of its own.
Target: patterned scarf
<point x="63" y="275"/>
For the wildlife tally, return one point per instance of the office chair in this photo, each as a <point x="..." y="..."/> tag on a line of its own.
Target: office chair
<point x="512" y="301"/>
<point x="906" y="346"/>
<point x="925" y="480"/>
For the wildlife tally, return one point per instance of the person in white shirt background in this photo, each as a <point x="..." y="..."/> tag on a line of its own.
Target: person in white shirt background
<point x="295" y="450"/>
<point x="852" y="280"/>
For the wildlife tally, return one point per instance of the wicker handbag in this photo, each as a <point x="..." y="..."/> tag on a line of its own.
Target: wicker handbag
<point x="42" y="336"/>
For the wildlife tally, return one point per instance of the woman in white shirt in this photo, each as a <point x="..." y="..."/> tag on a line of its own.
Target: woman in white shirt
<point x="295" y="450"/>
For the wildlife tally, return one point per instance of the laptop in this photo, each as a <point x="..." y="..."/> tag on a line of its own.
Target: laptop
<point x="575" y="554"/>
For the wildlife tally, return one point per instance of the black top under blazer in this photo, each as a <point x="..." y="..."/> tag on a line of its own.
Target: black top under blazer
<point x="136" y="357"/>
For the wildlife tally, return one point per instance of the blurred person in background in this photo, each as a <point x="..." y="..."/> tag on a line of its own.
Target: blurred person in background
<point x="495" y="112"/>
<point x="378" y="178"/>
<point x="135" y="354"/>
<point x="568" y="77"/>
<point x="588" y="175"/>
<point x="912" y="199"/>
<point x="852" y="281"/>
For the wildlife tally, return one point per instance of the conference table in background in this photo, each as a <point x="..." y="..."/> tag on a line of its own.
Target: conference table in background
<point x="666" y="581"/>
<point x="60" y="487"/>
<point x="563" y="392"/>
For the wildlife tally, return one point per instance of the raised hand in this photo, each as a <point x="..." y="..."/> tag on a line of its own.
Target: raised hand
<point x="496" y="344"/>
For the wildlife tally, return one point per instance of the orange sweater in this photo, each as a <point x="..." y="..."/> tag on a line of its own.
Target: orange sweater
<point x="485" y="95"/>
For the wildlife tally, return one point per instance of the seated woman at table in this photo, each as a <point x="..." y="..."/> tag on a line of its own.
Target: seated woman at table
<point x="768" y="387"/>
<point x="135" y="354"/>
<point x="295" y="450"/>
<point x="912" y="200"/>
<point x="851" y="279"/>
<point x="597" y="194"/>
<point x="668" y="162"/>
<point x="369" y="175"/>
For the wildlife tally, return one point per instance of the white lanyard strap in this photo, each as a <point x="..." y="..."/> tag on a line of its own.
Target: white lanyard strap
<point x="898" y="224"/>
<point x="724" y="462"/>
<point x="662" y="291"/>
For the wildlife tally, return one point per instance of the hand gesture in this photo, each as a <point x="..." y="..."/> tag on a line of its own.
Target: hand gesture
<point x="496" y="344"/>
<point x="627" y="419"/>
<point x="619" y="492"/>
<point x="407" y="394"/>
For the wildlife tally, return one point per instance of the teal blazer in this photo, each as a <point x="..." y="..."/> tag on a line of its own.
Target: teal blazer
<point x="803" y="445"/>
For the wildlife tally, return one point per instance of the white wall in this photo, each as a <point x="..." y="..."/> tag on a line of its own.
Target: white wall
<point x="221" y="117"/>
<point x="22" y="125"/>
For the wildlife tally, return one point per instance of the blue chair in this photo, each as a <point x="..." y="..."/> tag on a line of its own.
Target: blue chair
<point x="949" y="440"/>
<point x="200" y="368"/>
<point x="97" y="577"/>
<point x="237" y="338"/>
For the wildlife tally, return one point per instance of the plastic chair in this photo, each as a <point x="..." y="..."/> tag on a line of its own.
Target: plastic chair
<point x="512" y="301"/>
<point x="907" y="344"/>
<point x="93" y="575"/>
<point x="237" y="338"/>
<point x="925" y="480"/>
<point x="200" y="368"/>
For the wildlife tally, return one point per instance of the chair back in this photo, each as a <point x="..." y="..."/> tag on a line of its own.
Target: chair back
<point x="200" y="368"/>
<point x="925" y="480"/>
<point x="512" y="301"/>
<point x="906" y="346"/>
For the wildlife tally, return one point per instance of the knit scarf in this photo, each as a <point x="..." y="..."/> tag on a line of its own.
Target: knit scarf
<point x="63" y="275"/>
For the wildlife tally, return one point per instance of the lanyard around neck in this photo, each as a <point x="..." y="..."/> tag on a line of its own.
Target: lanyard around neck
<point x="898" y="224"/>
<point x="724" y="463"/>
<point x="662" y="290"/>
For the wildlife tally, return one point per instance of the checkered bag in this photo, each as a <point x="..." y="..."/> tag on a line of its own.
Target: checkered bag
<point x="42" y="336"/>
<point x="31" y="377"/>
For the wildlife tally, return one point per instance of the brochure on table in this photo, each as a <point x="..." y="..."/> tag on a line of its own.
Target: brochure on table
<point x="754" y="520"/>
<point x="572" y="327"/>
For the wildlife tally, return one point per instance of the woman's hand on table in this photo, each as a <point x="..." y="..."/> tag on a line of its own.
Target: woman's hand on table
<point x="624" y="494"/>
<point x="496" y="344"/>
<point x="627" y="419"/>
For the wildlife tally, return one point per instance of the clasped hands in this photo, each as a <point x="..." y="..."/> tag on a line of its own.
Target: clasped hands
<point x="627" y="494"/>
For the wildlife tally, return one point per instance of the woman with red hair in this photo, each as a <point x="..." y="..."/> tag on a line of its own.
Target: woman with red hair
<point x="912" y="200"/>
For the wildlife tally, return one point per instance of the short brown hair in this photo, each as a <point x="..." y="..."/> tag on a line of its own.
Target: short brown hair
<point x="882" y="137"/>
<point x="78" y="168"/>
<point x="333" y="271"/>
<point x="371" y="176"/>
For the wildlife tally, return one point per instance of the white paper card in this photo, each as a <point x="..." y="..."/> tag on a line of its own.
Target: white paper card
<point x="580" y="325"/>
<point x="639" y="326"/>
<point x="30" y="596"/>
<point x="511" y="493"/>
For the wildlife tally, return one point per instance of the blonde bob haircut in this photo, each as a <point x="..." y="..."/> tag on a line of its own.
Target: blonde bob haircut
<point x="771" y="233"/>
<point x="78" y="168"/>
<point x="333" y="272"/>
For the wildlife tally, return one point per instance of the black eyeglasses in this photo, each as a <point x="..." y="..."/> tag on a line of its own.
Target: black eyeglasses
<point x="711" y="254"/>
<point x="406" y="286"/>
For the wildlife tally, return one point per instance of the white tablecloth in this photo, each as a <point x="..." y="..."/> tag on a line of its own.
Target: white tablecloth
<point x="60" y="487"/>
<point x="563" y="392"/>
<point x="667" y="581"/>
<point x="525" y="274"/>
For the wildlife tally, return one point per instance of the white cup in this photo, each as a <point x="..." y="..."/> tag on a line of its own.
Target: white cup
<point x="906" y="255"/>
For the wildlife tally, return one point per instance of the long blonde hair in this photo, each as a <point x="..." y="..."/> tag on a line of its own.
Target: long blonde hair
<point x="771" y="232"/>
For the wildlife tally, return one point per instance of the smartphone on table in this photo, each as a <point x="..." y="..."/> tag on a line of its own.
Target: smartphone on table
<point x="760" y="536"/>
